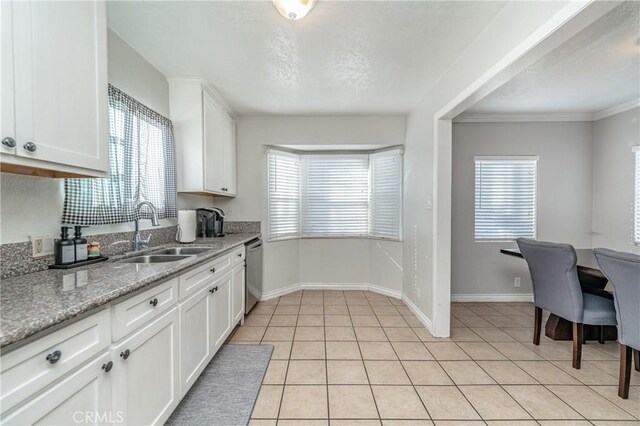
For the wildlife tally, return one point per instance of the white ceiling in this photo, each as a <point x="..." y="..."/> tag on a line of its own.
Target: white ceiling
<point x="598" y="68"/>
<point x="345" y="57"/>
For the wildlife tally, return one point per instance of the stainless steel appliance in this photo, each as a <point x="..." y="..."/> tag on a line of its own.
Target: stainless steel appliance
<point x="253" y="285"/>
<point x="210" y="222"/>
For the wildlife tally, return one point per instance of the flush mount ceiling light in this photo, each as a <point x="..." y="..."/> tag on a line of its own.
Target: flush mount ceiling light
<point x="294" y="9"/>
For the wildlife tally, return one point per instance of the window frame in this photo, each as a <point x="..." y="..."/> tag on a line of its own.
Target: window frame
<point x="534" y="158"/>
<point x="395" y="150"/>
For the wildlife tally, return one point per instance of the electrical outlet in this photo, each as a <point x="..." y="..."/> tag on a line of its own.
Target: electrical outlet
<point x="42" y="246"/>
<point x="516" y="282"/>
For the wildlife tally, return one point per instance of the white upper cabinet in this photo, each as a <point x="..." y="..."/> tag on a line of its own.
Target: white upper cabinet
<point x="205" y="139"/>
<point x="54" y="88"/>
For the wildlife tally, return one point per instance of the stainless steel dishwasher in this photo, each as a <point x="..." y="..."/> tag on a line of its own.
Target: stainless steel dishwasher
<point x="253" y="285"/>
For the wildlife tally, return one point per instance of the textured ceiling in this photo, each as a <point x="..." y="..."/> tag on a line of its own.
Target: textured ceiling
<point x="345" y="57"/>
<point x="596" y="69"/>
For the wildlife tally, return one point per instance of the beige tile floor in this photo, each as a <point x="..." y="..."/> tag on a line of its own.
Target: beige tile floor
<point x="360" y="358"/>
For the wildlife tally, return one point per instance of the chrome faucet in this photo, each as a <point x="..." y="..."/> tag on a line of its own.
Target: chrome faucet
<point x="139" y="243"/>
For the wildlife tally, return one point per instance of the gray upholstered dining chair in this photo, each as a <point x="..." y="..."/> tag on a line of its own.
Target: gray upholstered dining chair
<point x="556" y="289"/>
<point x="623" y="272"/>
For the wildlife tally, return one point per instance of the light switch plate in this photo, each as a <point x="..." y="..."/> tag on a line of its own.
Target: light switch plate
<point x="42" y="246"/>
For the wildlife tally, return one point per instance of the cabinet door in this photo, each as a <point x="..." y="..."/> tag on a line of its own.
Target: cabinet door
<point x="229" y="140"/>
<point x="82" y="397"/>
<point x="145" y="374"/>
<point x="195" y="337"/>
<point x="60" y="75"/>
<point x="213" y="146"/>
<point x="6" y="83"/>
<point x="220" y="311"/>
<point x="238" y="293"/>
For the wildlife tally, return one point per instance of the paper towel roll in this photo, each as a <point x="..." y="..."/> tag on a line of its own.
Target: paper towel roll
<point x="186" y="226"/>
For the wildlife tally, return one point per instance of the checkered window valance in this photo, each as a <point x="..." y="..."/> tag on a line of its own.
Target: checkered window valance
<point x="142" y="167"/>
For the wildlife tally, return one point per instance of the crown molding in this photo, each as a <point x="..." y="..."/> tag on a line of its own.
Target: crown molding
<point x="546" y="117"/>
<point x="634" y="103"/>
<point x="521" y="118"/>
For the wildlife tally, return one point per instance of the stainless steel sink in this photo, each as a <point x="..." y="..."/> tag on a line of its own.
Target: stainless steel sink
<point x="153" y="258"/>
<point x="183" y="250"/>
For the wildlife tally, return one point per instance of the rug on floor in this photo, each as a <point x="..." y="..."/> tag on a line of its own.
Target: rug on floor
<point x="227" y="389"/>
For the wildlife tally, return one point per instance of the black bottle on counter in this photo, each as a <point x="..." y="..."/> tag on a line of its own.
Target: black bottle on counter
<point x="80" y="243"/>
<point x="64" y="248"/>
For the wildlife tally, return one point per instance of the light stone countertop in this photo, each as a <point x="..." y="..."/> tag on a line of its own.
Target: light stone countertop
<point x="32" y="303"/>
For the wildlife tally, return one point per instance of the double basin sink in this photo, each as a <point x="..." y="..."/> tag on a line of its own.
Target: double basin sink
<point x="173" y="254"/>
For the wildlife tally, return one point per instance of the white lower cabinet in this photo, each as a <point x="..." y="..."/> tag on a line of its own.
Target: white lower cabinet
<point x="195" y="337"/>
<point x="237" y="298"/>
<point x="145" y="372"/>
<point x="83" y="397"/>
<point x="162" y="342"/>
<point x="220" y="317"/>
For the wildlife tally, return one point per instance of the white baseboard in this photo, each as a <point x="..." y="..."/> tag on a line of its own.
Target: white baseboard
<point x="330" y="286"/>
<point x="528" y="297"/>
<point x="418" y="313"/>
<point x="334" y="286"/>
<point x="280" y="292"/>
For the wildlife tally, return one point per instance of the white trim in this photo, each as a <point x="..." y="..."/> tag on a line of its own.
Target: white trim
<point x="527" y="297"/>
<point x="490" y="117"/>
<point x="426" y="322"/>
<point x="279" y="292"/>
<point x="564" y="24"/>
<point x="385" y="291"/>
<point x="330" y="286"/>
<point x="522" y="118"/>
<point x="506" y="157"/>
<point x="634" y="103"/>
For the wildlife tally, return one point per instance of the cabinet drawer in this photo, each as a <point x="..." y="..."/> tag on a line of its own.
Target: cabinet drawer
<point x="133" y="312"/>
<point x="193" y="280"/>
<point x="238" y="256"/>
<point x="30" y="368"/>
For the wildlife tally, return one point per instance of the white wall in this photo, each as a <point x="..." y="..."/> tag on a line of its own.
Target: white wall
<point x="613" y="176"/>
<point x="511" y="26"/>
<point x="565" y="151"/>
<point x="327" y="261"/>
<point x="32" y="206"/>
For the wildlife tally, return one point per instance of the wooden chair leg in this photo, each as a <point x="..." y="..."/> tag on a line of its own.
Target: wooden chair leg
<point x="636" y="358"/>
<point x="577" y="345"/>
<point x="537" y="326"/>
<point x="625" y="372"/>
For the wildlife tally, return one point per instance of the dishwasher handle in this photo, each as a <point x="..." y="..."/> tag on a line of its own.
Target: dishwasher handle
<point x="256" y="245"/>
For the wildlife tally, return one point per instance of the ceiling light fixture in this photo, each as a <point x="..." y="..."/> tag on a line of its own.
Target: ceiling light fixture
<point x="294" y="9"/>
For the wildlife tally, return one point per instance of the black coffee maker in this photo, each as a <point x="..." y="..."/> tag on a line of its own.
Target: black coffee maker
<point x="210" y="222"/>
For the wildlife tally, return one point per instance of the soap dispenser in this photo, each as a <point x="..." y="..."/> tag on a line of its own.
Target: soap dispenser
<point x="64" y="248"/>
<point x="80" y="243"/>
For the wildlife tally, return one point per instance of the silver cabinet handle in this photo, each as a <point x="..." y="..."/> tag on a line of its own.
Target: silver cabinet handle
<point x="30" y="146"/>
<point x="9" y="142"/>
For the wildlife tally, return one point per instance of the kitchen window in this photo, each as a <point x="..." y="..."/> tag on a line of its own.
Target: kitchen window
<point x="505" y="200"/>
<point x="142" y="167"/>
<point x="636" y="197"/>
<point x="334" y="195"/>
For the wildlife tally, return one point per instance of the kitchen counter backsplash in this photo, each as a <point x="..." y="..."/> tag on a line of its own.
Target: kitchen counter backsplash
<point x="16" y="258"/>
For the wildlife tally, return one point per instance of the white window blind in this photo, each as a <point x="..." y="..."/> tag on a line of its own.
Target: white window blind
<point x="505" y="202"/>
<point x="636" y="198"/>
<point x="385" y="214"/>
<point x="283" y="183"/>
<point x="335" y="195"/>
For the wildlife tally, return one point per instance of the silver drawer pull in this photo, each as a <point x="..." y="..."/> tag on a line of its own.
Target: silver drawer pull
<point x="30" y="146"/>
<point x="54" y="357"/>
<point x="9" y="142"/>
